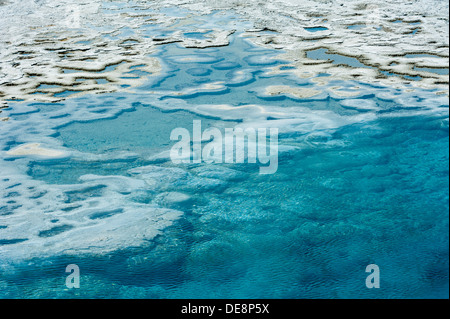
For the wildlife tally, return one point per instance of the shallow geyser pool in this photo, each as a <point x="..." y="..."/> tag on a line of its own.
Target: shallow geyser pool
<point x="362" y="179"/>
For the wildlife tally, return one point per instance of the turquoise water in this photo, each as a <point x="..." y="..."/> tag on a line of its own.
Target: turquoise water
<point x="355" y="186"/>
<point x="316" y="29"/>
<point x="356" y="26"/>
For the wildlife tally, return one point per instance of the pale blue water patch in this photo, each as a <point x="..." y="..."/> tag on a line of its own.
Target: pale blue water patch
<point x="84" y="42"/>
<point x="115" y="7"/>
<point x="356" y="26"/>
<point x="137" y="66"/>
<point x="387" y="73"/>
<point x="155" y="32"/>
<point x="197" y="35"/>
<point x="123" y="33"/>
<point x="432" y="70"/>
<point x="316" y="29"/>
<point x="407" y="77"/>
<point x="199" y="71"/>
<point x="66" y="93"/>
<point x="420" y="55"/>
<point x="126" y="32"/>
<point x="70" y="70"/>
<point x="46" y="107"/>
<point x="142" y="130"/>
<point x="47" y="86"/>
<point x="101" y="81"/>
<point x="322" y="54"/>
<point x="412" y="78"/>
<point x="174" y="11"/>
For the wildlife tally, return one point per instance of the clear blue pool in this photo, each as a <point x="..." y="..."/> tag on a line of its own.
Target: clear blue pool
<point x="355" y="186"/>
<point x="316" y="29"/>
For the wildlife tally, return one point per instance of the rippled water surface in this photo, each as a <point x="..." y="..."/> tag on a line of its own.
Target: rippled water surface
<point x="358" y="183"/>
